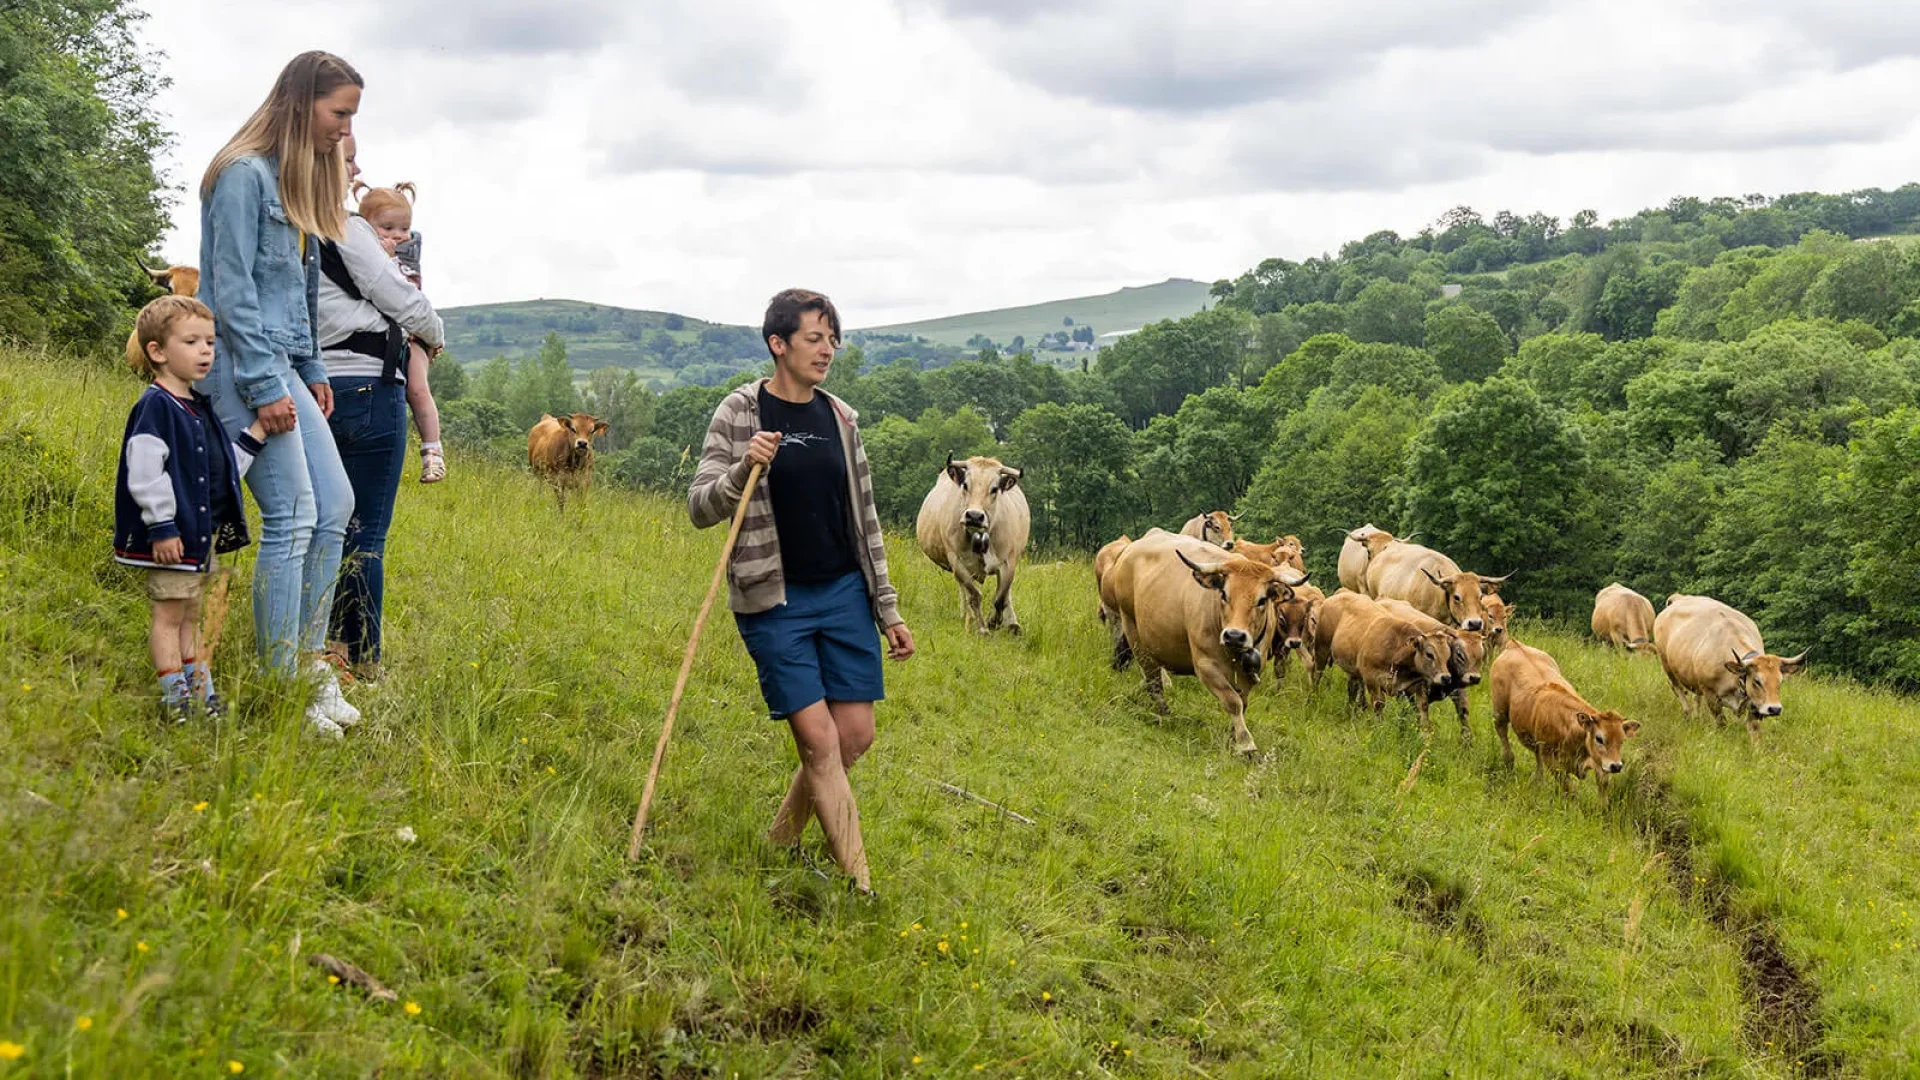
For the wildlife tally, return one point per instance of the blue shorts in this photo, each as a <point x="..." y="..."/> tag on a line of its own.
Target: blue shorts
<point x="821" y="645"/>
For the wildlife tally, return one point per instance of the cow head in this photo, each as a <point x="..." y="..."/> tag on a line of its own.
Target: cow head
<point x="581" y="429"/>
<point x="1250" y="595"/>
<point x="1468" y="649"/>
<point x="1284" y="551"/>
<point x="1497" y="611"/>
<point x="1760" y="675"/>
<point x="982" y="480"/>
<point x="1298" y="616"/>
<point x="1463" y="592"/>
<point x="1606" y="734"/>
<point x="1428" y="653"/>
<point x="1216" y="527"/>
<point x="178" y="280"/>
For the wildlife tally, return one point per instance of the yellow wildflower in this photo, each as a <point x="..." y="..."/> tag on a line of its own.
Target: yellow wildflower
<point x="26" y="688"/>
<point x="1045" y="996"/>
<point x="413" y="1008"/>
<point x="11" y="1051"/>
<point x="236" y="1068"/>
<point x="200" y="807"/>
<point x="82" y="1023"/>
<point x="119" y="913"/>
<point x="140" y="946"/>
<point x="550" y="771"/>
<point x="916" y="1059"/>
<point x="474" y="664"/>
<point x="333" y="980"/>
<point x="943" y="946"/>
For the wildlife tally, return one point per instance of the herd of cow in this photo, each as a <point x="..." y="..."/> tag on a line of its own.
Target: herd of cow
<point x="1406" y="622"/>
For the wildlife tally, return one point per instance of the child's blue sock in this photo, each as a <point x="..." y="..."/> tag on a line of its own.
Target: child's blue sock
<point x="199" y="682"/>
<point x="173" y="687"/>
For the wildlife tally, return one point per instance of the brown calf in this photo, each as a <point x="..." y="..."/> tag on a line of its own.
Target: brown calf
<point x="178" y="280"/>
<point x="1552" y="720"/>
<point x="560" y="449"/>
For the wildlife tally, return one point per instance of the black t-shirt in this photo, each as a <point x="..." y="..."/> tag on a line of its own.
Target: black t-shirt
<point x="807" y="484"/>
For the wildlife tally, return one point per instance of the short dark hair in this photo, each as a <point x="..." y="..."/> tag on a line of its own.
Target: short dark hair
<point x="787" y="307"/>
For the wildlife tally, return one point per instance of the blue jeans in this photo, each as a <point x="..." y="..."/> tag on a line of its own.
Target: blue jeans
<point x="370" y="426"/>
<point x="305" y="502"/>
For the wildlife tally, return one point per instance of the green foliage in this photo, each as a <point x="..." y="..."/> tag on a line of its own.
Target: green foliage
<point x="494" y="380"/>
<point x="1805" y="374"/>
<point x="1332" y="468"/>
<point x="1154" y="370"/>
<point x="542" y="384"/>
<point x="1398" y="368"/>
<point x="1880" y="502"/>
<point x="619" y="398"/>
<point x="1467" y="344"/>
<point x="1389" y="312"/>
<point x="681" y="415"/>
<point x="448" y="377"/>
<point x="1663" y="529"/>
<point x="1287" y="385"/>
<point x="1076" y="461"/>
<point x="475" y="421"/>
<point x="1203" y="457"/>
<point x="907" y="456"/>
<point x="1496" y="478"/>
<point x="80" y="197"/>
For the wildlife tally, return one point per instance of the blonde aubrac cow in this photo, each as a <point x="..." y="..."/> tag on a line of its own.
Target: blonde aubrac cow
<point x="1714" y="654"/>
<point x="974" y="525"/>
<point x="1189" y="608"/>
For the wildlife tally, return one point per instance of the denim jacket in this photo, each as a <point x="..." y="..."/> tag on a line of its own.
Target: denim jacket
<point x="262" y="291"/>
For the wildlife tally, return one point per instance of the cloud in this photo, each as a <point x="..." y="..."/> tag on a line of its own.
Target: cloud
<point x="495" y="29"/>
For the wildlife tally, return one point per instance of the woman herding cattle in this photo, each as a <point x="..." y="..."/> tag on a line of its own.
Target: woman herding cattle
<point x="808" y="580"/>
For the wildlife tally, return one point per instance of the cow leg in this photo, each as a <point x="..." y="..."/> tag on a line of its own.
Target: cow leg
<point x="1714" y="706"/>
<point x="1753" y="731"/>
<point x="1680" y="694"/>
<point x="1460" y="707"/>
<point x="1425" y="708"/>
<point x="1219" y="679"/>
<point x="1500" y="724"/>
<point x="1003" y="603"/>
<point x="969" y="598"/>
<point x="1151" y="670"/>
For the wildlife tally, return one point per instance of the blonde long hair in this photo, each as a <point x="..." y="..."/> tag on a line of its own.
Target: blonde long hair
<point x="313" y="186"/>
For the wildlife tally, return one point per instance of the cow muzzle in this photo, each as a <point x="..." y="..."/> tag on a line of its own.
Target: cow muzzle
<point x="1768" y="710"/>
<point x="1473" y="679"/>
<point x="1615" y="766"/>
<point x="1235" y="640"/>
<point x="1293" y="643"/>
<point x="579" y="444"/>
<point x="974" y="519"/>
<point x="1472" y="624"/>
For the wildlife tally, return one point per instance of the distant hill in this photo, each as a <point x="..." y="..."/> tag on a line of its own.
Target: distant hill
<point x="660" y="345"/>
<point x="674" y="349"/>
<point x="1121" y="310"/>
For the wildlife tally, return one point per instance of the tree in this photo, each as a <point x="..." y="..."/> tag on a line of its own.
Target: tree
<point x="617" y="396"/>
<point x="682" y="415"/>
<point x="1468" y="345"/>
<point x="1155" y="369"/>
<point x="543" y="383"/>
<point x="1870" y="282"/>
<point x="1389" y="312"/>
<point x="1552" y="363"/>
<point x="1398" y="368"/>
<point x="1663" y="534"/>
<point x="80" y="198"/>
<point x="1880" y="494"/>
<point x="1496" y="479"/>
<point x="1287" y="385"/>
<point x="1077" y="460"/>
<point x="1203" y="457"/>
<point x="1332" y="468"/>
<point x="474" y="421"/>
<point x="983" y="385"/>
<point x="447" y="377"/>
<point x="895" y="390"/>
<point x="906" y="456"/>
<point x="496" y="377"/>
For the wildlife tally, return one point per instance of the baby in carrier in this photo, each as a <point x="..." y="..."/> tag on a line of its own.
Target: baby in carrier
<point x="390" y="212"/>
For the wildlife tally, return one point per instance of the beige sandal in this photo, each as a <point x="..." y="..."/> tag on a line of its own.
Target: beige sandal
<point x="433" y="466"/>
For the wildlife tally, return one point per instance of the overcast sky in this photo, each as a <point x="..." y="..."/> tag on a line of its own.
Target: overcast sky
<point x="915" y="158"/>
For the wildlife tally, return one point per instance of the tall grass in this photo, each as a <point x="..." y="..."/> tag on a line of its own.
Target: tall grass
<point x="1173" y="912"/>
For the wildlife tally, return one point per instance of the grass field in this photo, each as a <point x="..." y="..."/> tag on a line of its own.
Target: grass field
<point x="1124" y="309"/>
<point x="523" y="325"/>
<point x="1174" y="911"/>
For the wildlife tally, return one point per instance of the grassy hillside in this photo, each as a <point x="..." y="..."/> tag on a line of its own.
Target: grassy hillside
<point x="597" y="335"/>
<point x="1124" y="309"/>
<point x="1174" y="912"/>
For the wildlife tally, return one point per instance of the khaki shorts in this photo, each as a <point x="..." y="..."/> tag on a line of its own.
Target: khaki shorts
<point x="165" y="584"/>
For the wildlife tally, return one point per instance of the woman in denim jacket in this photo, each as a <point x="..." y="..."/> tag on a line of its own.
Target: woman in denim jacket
<point x="278" y="186"/>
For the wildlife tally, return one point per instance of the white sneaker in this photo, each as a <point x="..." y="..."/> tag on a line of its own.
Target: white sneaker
<point x="323" y="724"/>
<point x="328" y="699"/>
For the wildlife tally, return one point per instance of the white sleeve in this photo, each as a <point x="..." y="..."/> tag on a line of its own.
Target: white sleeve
<point x="147" y="479"/>
<point x="245" y="449"/>
<point x="381" y="282"/>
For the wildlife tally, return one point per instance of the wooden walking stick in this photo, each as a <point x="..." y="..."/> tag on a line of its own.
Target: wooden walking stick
<point x="686" y="663"/>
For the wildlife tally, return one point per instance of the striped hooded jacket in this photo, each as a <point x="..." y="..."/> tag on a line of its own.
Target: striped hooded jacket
<point x="755" y="581"/>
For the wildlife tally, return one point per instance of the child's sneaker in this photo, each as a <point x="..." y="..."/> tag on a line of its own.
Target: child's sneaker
<point x="214" y="705"/>
<point x="176" y="711"/>
<point x="433" y="465"/>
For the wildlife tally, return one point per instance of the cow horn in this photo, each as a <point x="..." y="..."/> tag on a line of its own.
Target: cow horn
<point x="1496" y="582"/>
<point x="1196" y="567"/>
<point x="1233" y="517"/>
<point x="159" y="276"/>
<point x="1407" y="539"/>
<point x="1438" y="583"/>
<point x="1294" y="584"/>
<point x="1737" y="658"/>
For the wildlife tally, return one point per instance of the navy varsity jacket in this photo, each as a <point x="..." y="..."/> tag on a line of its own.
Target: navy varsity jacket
<point x="163" y="488"/>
